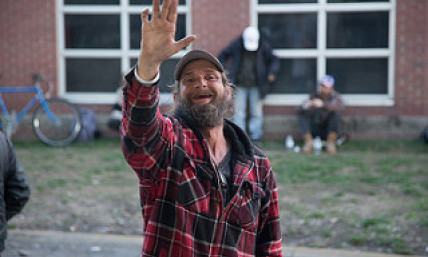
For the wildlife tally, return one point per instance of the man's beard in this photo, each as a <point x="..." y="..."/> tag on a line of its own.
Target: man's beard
<point x="208" y="115"/>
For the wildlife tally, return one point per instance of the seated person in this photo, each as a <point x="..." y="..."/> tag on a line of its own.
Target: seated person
<point x="320" y="115"/>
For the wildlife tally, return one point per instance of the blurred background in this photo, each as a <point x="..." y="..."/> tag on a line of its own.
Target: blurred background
<point x="372" y="196"/>
<point x="376" y="50"/>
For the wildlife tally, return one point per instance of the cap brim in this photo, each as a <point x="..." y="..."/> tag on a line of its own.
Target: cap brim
<point x="193" y="56"/>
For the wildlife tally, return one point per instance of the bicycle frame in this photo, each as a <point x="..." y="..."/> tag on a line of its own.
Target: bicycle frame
<point x="38" y="97"/>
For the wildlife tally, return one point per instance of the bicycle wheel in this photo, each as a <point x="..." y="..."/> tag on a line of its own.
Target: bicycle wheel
<point x="59" y="124"/>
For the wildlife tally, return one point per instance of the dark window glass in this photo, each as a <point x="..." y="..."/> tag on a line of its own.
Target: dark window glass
<point x="289" y="30"/>
<point x="166" y="74"/>
<point x="355" y="1"/>
<point x="286" y="1"/>
<point x="357" y="30"/>
<point x="135" y="27"/>
<point x="92" y="31"/>
<point x="104" y="2"/>
<point x="92" y="75"/>
<point x="359" y="76"/>
<point x="296" y="76"/>
<point x="149" y="2"/>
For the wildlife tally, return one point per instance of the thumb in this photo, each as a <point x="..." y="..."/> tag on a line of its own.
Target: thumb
<point x="182" y="43"/>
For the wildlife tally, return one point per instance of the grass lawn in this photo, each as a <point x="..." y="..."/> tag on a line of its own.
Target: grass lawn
<point x="371" y="196"/>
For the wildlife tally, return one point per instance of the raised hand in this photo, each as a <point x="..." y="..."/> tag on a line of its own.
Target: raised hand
<point x="158" y="38"/>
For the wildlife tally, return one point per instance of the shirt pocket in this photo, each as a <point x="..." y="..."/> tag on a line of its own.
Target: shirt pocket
<point x="194" y="189"/>
<point x="247" y="209"/>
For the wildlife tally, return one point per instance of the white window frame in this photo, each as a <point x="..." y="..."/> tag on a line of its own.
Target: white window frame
<point x="124" y="53"/>
<point x="321" y="53"/>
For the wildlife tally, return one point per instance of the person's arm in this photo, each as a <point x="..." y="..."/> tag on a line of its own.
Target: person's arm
<point x="269" y="236"/>
<point x="146" y="132"/>
<point x="16" y="188"/>
<point x="336" y="104"/>
<point x="307" y="104"/>
<point x="227" y="53"/>
<point x="272" y="62"/>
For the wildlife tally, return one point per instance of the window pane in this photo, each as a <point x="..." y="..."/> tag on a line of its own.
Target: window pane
<point x="135" y="27"/>
<point x="355" y="1"/>
<point x="149" y="2"/>
<point x="104" y="2"/>
<point x="92" y="31"/>
<point x="357" y="30"/>
<point x="359" y="76"/>
<point x="290" y="30"/>
<point x="296" y="76"/>
<point x="92" y="75"/>
<point x="286" y="1"/>
<point x="167" y="74"/>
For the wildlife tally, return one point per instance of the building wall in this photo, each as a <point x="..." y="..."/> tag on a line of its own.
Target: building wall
<point x="409" y="114"/>
<point x="28" y="45"/>
<point x="411" y="88"/>
<point x="217" y="23"/>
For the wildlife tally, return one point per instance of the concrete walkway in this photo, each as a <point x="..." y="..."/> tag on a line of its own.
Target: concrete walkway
<point x="68" y="244"/>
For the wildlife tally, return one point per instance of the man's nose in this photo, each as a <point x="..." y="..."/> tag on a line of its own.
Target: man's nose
<point x="201" y="81"/>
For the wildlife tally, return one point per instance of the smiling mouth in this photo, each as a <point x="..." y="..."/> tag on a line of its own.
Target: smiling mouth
<point x="205" y="96"/>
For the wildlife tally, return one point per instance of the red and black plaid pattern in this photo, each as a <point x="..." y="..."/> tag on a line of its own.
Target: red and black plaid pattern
<point x="180" y="192"/>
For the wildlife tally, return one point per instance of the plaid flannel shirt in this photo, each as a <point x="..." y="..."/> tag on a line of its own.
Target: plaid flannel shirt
<point x="180" y="191"/>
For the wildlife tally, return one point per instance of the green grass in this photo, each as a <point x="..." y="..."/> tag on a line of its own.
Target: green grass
<point x="372" y="195"/>
<point x="386" y="178"/>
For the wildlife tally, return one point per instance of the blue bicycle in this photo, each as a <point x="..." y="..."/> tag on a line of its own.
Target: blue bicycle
<point x="56" y="122"/>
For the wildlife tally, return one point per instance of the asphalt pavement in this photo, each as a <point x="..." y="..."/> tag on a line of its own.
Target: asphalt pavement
<point x="71" y="244"/>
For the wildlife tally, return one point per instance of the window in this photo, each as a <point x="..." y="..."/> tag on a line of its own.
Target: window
<point x="100" y="41"/>
<point x="353" y="40"/>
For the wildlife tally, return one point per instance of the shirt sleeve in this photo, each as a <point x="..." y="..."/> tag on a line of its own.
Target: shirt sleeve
<point x="269" y="237"/>
<point x="146" y="133"/>
<point x="335" y="104"/>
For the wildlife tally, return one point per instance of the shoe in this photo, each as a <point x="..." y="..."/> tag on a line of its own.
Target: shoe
<point x="331" y="143"/>
<point x="308" y="143"/>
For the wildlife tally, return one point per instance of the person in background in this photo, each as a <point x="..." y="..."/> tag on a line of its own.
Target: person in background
<point x="251" y="66"/>
<point x="205" y="189"/>
<point x="115" y="119"/>
<point x="321" y="116"/>
<point x="15" y="191"/>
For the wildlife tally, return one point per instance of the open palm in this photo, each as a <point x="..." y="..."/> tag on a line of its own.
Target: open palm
<point x="158" y="34"/>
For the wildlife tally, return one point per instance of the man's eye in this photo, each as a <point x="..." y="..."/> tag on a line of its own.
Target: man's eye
<point x="211" y="77"/>
<point x="189" y="80"/>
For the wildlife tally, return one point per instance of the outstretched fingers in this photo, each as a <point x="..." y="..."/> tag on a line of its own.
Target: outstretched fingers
<point x="145" y="16"/>
<point x="165" y="9"/>
<point x="182" y="43"/>
<point x="172" y="14"/>
<point x="156" y="11"/>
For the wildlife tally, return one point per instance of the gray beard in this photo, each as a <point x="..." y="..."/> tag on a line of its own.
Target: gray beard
<point x="208" y="115"/>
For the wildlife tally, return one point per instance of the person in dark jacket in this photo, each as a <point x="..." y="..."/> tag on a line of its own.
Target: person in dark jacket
<point x="251" y="66"/>
<point x="205" y="189"/>
<point x="15" y="191"/>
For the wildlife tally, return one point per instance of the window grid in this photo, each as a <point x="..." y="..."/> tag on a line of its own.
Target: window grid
<point x="124" y="9"/>
<point x="322" y="53"/>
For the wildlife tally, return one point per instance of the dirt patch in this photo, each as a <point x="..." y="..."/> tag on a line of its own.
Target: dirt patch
<point x="92" y="189"/>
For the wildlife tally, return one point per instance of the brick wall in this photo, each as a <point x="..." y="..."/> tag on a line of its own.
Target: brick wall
<point x="27" y="43"/>
<point x="216" y="23"/>
<point x="411" y="86"/>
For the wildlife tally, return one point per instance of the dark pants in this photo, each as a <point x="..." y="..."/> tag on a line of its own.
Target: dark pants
<point x="319" y="122"/>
